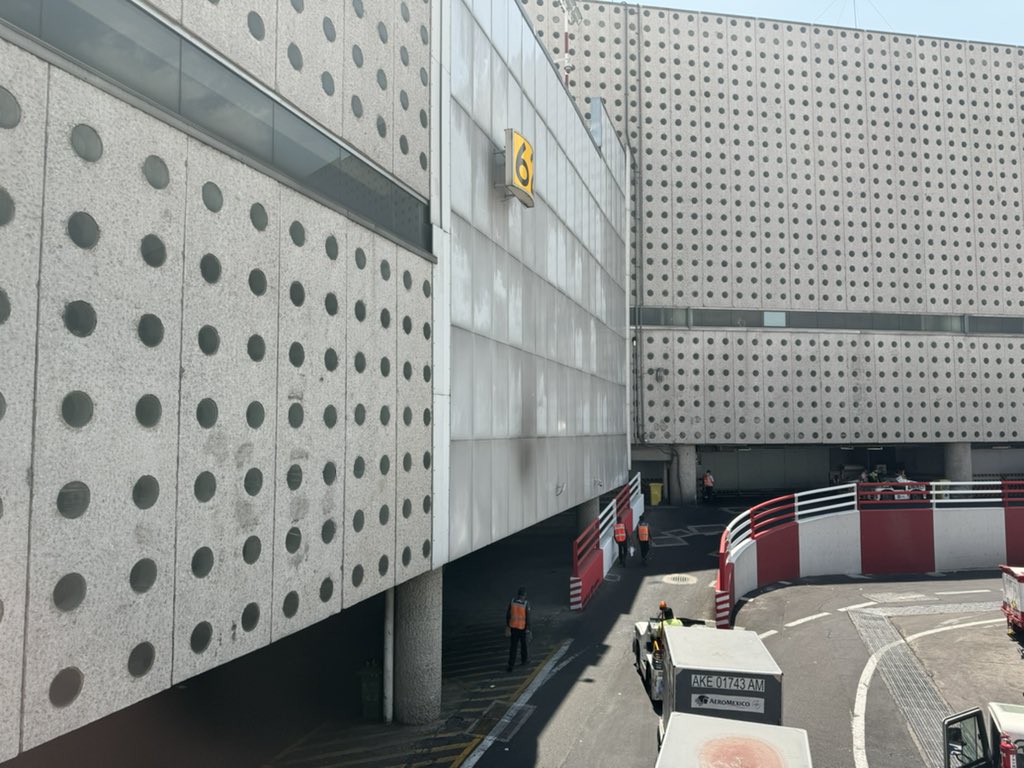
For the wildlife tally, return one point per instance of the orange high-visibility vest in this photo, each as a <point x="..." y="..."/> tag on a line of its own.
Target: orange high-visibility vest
<point x="517" y="614"/>
<point x="620" y="532"/>
<point x="642" y="533"/>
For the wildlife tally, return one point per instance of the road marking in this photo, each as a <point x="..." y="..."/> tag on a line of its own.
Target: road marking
<point x="769" y="633"/>
<point x="538" y="681"/>
<point x="805" y="619"/>
<point x="858" y="605"/>
<point x="857" y="722"/>
<point x="964" y="592"/>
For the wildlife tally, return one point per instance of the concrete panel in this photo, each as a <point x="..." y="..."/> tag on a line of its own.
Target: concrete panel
<point x="231" y="29"/>
<point x="414" y="504"/>
<point x="228" y="415"/>
<point x="371" y="418"/>
<point x="101" y="583"/>
<point x="311" y="459"/>
<point x="973" y="538"/>
<point x="369" y="79"/>
<point x="22" y="148"/>
<point x="411" y="131"/>
<point x="830" y="545"/>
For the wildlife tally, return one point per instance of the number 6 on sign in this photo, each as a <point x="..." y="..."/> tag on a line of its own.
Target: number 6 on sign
<point x="519" y="167"/>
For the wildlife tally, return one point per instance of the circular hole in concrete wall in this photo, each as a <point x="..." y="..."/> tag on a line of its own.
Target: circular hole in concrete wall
<point x="327" y="531"/>
<point x="360" y="362"/>
<point x="426" y="417"/>
<point x="297" y="232"/>
<point x="142" y="576"/>
<point x="10" y="109"/>
<point x="206" y="413"/>
<point x="250" y="617"/>
<point x="330" y="359"/>
<point x="384" y="514"/>
<point x="86" y="142"/>
<point x="331" y="304"/>
<point x="407" y="509"/>
<point x="357" y="520"/>
<point x="330" y="473"/>
<point x="426" y="288"/>
<point x="385" y="317"/>
<point x="407" y="462"/>
<point x="65" y="686"/>
<point x="295" y="415"/>
<point x="295" y="57"/>
<point x="382" y="565"/>
<point x="357" y="106"/>
<point x="326" y="589"/>
<point x="360" y="258"/>
<point x="406" y="556"/>
<point x="331" y="247"/>
<point x="357" y="576"/>
<point x="426" y="330"/>
<point x="151" y="330"/>
<point x="330" y="416"/>
<point x="329" y="31"/>
<point x="258" y="216"/>
<point x="407" y="370"/>
<point x="148" y="410"/>
<point x="385" y="464"/>
<point x="360" y="311"/>
<point x="209" y="340"/>
<point x="5" y="307"/>
<point x="201" y="635"/>
<point x="257" y="282"/>
<point x="6" y="207"/>
<point x="209" y="267"/>
<point x="359" y="467"/>
<point x="256" y="347"/>
<point x="385" y="269"/>
<point x="385" y="415"/>
<point x="426" y="373"/>
<point x="79" y="317"/>
<point x="76" y="409"/>
<point x="407" y="415"/>
<point x="140" y="660"/>
<point x="145" y="492"/>
<point x="255" y="414"/>
<point x="327" y="83"/>
<point x="294" y="477"/>
<point x="360" y="414"/>
<point x="155" y="171"/>
<point x="205" y="486"/>
<point x="407" y="325"/>
<point x="253" y="481"/>
<point x="407" y="279"/>
<point x="251" y="549"/>
<point x="297" y="293"/>
<point x="427" y="504"/>
<point x="426" y="547"/>
<point x="213" y="198"/>
<point x="256" y="26"/>
<point x="296" y="354"/>
<point x="153" y="251"/>
<point x="202" y="562"/>
<point x="83" y="230"/>
<point x="426" y="460"/>
<point x="69" y="592"/>
<point x="291" y="604"/>
<point x="73" y="499"/>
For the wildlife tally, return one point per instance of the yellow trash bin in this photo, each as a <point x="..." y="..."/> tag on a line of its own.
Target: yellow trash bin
<point x="656" y="494"/>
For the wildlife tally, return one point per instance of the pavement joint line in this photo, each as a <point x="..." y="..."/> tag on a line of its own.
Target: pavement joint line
<point x="868" y="604"/>
<point x="769" y="633"/>
<point x="806" y="619"/>
<point x="538" y="679"/>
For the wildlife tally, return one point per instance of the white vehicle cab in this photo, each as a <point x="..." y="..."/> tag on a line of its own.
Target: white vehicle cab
<point x="971" y="742"/>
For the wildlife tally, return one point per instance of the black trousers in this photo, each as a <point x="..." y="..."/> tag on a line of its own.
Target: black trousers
<point x="644" y="547"/>
<point x="518" y="637"/>
<point x="622" y="552"/>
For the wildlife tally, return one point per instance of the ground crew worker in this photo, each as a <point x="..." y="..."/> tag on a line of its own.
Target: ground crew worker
<point x="619" y="531"/>
<point x="709" y="484"/>
<point x="517" y="620"/>
<point x="643" y="535"/>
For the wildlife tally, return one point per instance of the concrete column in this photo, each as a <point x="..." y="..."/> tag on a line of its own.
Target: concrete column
<point x="586" y="513"/>
<point x="958" y="462"/>
<point x="682" y="476"/>
<point x="418" y="649"/>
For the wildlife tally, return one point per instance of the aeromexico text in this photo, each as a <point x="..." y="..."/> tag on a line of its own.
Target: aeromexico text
<point x="727" y="683"/>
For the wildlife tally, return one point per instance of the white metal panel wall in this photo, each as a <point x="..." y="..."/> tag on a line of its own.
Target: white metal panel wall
<point x="830" y="545"/>
<point x="744" y="575"/>
<point x="22" y="146"/>
<point x="965" y="538"/>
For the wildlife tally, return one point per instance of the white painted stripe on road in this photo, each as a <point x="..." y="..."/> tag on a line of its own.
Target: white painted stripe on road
<point x="545" y="672"/>
<point x="805" y="619"/>
<point x="964" y="592"/>
<point x="769" y="633"/>
<point x="858" y="605"/>
<point x="860" y="754"/>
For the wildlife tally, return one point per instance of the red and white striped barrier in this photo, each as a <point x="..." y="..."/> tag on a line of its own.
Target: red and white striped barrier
<point x="869" y="528"/>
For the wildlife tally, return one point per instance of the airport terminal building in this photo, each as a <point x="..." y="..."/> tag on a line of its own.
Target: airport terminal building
<point x="828" y="262"/>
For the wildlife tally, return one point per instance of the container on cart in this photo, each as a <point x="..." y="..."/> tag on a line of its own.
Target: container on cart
<point x="698" y="741"/>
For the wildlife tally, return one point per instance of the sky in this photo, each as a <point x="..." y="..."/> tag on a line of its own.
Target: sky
<point x="987" y="21"/>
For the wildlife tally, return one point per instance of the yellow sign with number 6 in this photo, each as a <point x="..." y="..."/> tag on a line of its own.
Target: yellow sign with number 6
<point x="519" y="167"/>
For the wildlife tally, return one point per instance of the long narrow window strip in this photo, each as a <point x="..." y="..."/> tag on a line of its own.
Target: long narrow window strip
<point x="138" y="52"/>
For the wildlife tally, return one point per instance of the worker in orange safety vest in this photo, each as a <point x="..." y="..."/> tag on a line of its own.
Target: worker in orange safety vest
<point x="619" y="531"/>
<point x="643" y="535"/>
<point x="517" y="623"/>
